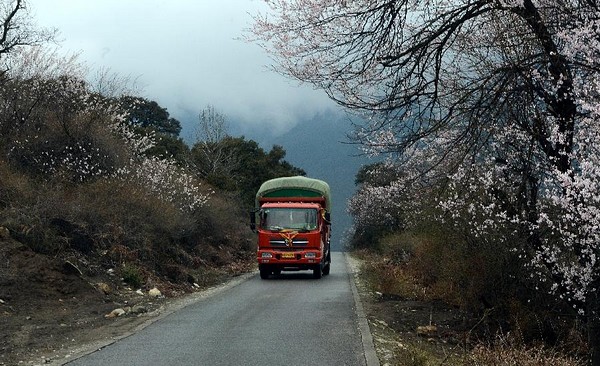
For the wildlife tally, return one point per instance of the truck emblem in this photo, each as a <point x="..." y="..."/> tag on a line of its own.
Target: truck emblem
<point x="288" y="236"/>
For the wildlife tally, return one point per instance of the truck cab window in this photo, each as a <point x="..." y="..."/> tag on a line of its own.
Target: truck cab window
<point x="286" y="218"/>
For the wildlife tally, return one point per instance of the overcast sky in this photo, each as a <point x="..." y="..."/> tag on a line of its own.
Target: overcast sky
<point x="187" y="54"/>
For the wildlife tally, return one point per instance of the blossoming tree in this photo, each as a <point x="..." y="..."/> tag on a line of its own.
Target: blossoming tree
<point x="53" y="124"/>
<point x="498" y="97"/>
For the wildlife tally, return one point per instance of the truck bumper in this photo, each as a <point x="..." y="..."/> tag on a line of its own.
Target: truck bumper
<point x="305" y="259"/>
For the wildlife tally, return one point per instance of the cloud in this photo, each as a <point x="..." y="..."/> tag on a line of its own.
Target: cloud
<point x="187" y="54"/>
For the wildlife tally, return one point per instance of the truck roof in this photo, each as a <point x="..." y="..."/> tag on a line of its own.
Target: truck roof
<point x="291" y="204"/>
<point x="297" y="186"/>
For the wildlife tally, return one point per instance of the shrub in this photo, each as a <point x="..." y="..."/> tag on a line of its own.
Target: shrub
<point x="392" y="280"/>
<point x="24" y="208"/>
<point x="132" y="275"/>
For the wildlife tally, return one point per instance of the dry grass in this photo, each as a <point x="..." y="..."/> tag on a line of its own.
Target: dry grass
<point x="505" y="352"/>
<point x="432" y="269"/>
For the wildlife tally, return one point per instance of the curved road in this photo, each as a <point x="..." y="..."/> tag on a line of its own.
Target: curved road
<point x="291" y="320"/>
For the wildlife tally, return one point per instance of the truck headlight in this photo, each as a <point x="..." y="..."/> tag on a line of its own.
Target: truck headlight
<point x="310" y="255"/>
<point x="266" y="255"/>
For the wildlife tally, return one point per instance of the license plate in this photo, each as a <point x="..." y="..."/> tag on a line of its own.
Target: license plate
<point x="288" y="255"/>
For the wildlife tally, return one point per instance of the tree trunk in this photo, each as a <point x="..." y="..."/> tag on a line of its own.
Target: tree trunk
<point x="593" y="323"/>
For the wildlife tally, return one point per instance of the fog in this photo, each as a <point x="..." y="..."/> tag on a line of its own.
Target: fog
<point x="185" y="55"/>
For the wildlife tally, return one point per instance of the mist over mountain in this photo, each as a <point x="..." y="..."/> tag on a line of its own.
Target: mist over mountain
<point x="319" y="145"/>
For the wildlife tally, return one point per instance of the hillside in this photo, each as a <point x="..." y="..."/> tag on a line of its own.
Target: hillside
<point x="51" y="304"/>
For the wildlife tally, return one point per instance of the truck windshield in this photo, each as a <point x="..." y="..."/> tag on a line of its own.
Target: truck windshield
<point x="302" y="219"/>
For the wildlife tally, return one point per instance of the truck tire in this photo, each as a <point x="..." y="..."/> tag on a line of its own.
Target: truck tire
<point x="327" y="265"/>
<point x="264" y="273"/>
<point x="317" y="272"/>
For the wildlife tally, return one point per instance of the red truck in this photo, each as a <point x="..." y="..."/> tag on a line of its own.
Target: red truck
<point x="294" y="226"/>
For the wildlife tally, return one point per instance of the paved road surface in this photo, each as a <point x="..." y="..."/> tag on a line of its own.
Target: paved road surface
<point x="292" y="320"/>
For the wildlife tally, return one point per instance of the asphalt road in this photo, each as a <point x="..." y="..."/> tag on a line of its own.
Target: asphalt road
<point x="291" y="320"/>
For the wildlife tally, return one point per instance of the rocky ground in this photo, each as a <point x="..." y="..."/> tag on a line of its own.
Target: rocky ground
<point x="409" y="332"/>
<point x="415" y="333"/>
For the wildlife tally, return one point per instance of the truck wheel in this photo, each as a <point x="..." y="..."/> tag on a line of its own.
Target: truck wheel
<point x="328" y="265"/>
<point x="317" y="272"/>
<point x="264" y="273"/>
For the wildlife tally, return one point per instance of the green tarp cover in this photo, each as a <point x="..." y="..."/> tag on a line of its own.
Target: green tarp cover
<point x="295" y="187"/>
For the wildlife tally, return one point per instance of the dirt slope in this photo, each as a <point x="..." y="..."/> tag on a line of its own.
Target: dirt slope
<point x="52" y="307"/>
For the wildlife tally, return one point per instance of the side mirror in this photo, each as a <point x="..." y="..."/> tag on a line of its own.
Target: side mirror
<point x="328" y="218"/>
<point x="253" y="220"/>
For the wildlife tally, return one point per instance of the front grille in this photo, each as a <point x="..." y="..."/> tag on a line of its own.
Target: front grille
<point x="296" y="243"/>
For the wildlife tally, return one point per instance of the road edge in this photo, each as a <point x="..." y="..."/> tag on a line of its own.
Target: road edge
<point x="363" y="324"/>
<point x="166" y="310"/>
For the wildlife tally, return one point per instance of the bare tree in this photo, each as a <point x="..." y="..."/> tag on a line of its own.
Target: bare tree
<point x="212" y="126"/>
<point x="18" y="30"/>
<point x="110" y="84"/>
<point x="212" y="156"/>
